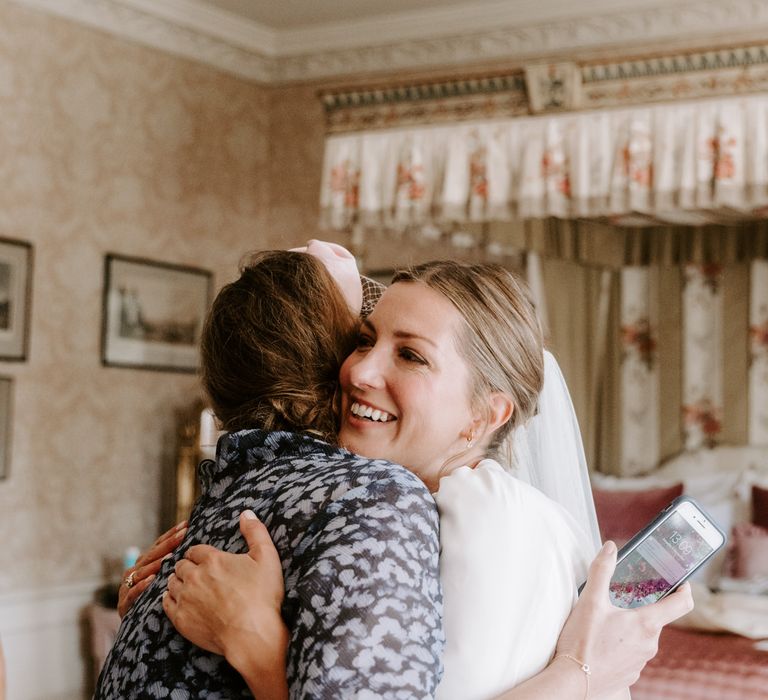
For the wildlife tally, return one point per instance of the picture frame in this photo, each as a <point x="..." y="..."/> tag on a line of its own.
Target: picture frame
<point x="6" y="425"/>
<point x="15" y="298"/>
<point x="153" y="314"/>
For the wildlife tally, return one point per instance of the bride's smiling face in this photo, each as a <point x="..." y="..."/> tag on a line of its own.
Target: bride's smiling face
<point x="406" y="393"/>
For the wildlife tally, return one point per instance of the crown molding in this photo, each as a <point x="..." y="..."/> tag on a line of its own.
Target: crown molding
<point x="220" y="43"/>
<point x="409" y="41"/>
<point x="203" y="18"/>
<point x="440" y="23"/>
<point x="657" y="26"/>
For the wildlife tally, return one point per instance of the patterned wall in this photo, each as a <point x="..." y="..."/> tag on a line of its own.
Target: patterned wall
<point x="107" y="146"/>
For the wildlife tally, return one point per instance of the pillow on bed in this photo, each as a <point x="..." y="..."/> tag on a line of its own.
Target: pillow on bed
<point x="749" y="551"/>
<point x="621" y="514"/>
<point x="760" y="506"/>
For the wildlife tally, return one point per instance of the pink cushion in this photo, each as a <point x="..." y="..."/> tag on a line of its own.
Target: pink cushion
<point x="621" y="514"/>
<point x="749" y="551"/>
<point x="760" y="506"/>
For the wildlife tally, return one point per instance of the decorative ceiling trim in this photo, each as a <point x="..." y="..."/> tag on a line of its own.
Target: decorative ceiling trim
<point x="194" y="30"/>
<point x="202" y="17"/>
<point x="732" y="71"/>
<point x="441" y="22"/>
<point x="132" y="21"/>
<point x="649" y="26"/>
<point x="550" y="87"/>
<point x="425" y="103"/>
<point x="737" y="57"/>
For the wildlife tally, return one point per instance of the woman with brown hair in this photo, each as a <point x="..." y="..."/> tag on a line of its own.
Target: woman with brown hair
<point x="272" y="347"/>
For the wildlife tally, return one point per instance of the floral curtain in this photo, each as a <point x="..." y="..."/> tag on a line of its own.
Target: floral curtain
<point x="702" y="354"/>
<point x="686" y="162"/>
<point x="758" y="371"/>
<point x="693" y="370"/>
<point x="665" y="359"/>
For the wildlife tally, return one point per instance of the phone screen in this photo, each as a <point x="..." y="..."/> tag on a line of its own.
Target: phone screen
<point x="658" y="563"/>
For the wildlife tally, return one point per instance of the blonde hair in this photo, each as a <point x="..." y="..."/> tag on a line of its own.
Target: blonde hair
<point x="501" y="341"/>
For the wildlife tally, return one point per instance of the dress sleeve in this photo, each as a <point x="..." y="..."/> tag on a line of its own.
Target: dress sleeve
<point x="367" y="597"/>
<point x="510" y="565"/>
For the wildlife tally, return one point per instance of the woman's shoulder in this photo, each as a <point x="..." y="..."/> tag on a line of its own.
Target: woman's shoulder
<point x="376" y="503"/>
<point x="387" y="484"/>
<point x="489" y="484"/>
<point x="381" y="474"/>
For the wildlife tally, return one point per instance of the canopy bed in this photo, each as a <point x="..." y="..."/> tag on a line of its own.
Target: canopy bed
<point x="643" y="230"/>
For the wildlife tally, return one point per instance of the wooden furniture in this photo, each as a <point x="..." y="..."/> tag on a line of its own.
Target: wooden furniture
<point x="104" y="623"/>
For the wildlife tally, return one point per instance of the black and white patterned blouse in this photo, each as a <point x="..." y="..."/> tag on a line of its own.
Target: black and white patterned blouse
<point x="358" y="540"/>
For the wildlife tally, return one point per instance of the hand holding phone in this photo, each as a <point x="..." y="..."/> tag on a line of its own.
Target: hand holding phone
<point x="615" y="642"/>
<point x="664" y="554"/>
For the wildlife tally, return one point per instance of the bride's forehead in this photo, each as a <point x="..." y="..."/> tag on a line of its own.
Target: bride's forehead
<point x="416" y="307"/>
<point x="412" y="297"/>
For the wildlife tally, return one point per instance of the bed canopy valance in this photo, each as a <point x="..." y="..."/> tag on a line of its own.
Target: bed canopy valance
<point x="690" y="163"/>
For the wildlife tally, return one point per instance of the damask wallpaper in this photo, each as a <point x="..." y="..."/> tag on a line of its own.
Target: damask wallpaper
<point x="107" y="147"/>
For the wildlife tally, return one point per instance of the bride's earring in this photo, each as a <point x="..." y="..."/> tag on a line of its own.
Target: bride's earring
<point x="471" y="438"/>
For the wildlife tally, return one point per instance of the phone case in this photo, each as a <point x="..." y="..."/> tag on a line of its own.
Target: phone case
<point x="662" y="515"/>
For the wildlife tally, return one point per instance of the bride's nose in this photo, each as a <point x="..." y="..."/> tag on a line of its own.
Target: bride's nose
<point x="368" y="371"/>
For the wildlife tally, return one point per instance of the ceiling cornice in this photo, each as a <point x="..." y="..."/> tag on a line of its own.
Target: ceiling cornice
<point x="439" y="23"/>
<point x="408" y="41"/>
<point x="220" y="44"/>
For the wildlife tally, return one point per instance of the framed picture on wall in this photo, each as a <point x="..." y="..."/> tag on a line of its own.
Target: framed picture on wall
<point x="15" y="292"/>
<point x="153" y="314"/>
<point x="6" y="391"/>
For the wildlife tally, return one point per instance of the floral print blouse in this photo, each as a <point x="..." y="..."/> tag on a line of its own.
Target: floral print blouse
<point x="358" y="541"/>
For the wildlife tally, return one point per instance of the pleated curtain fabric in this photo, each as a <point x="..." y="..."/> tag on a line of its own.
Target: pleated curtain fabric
<point x="682" y="363"/>
<point x="684" y="162"/>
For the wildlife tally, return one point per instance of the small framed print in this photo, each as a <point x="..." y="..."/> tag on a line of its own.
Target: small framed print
<point x="15" y="293"/>
<point x="6" y="399"/>
<point x="153" y="314"/>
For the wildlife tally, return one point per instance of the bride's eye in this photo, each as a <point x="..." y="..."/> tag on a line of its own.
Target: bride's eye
<point x="410" y="356"/>
<point x="364" y="341"/>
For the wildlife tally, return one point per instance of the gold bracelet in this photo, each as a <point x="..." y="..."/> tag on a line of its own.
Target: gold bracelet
<point x="584" y="667"/>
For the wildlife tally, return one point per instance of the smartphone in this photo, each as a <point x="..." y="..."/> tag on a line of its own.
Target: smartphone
<point x="663" y="554"/>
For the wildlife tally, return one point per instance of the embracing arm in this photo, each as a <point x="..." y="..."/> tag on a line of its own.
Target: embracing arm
<point x="614" y="642"/>
<point x="366" y="605"/>
<point x="229" y="604"/>
<point x="142" y="573"/>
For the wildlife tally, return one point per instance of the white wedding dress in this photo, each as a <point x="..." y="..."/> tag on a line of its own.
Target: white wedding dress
<point x="513" y="555"/>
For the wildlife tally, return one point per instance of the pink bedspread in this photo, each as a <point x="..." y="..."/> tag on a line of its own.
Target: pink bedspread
<point x="699" y="666"/>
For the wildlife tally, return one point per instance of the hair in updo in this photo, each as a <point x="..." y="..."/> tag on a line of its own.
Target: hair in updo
<point x="501" y="339"/>
<point x="273" y="343"/>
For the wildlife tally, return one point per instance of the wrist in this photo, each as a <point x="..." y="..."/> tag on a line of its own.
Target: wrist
<point x="575" y="666"/>
<point x="259" y="656"/>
